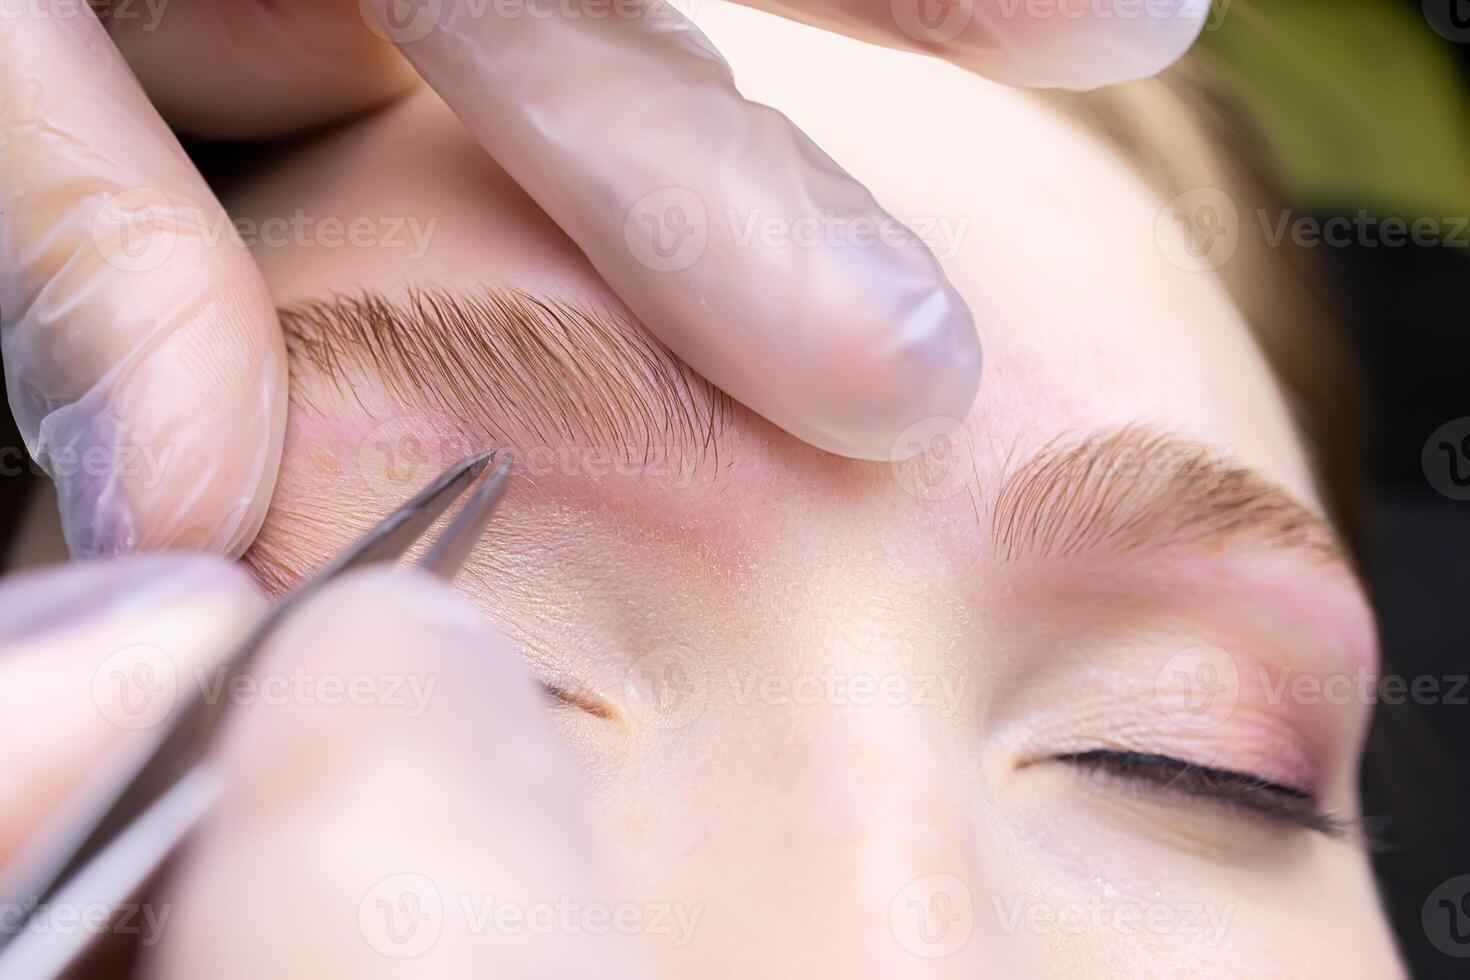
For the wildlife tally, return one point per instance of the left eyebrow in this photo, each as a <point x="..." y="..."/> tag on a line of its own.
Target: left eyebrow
<point x="1130" y="488"/>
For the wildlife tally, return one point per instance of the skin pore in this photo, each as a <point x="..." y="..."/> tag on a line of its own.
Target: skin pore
<point x="829" y="702"/>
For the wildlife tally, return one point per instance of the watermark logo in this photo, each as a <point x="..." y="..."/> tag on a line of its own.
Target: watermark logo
<point x="1205" y="923"/>
<point x="401" y="916"/>
<point x="1366" y="687"/>
<point x="668" y="230"/>
<point x="568" y="916"/>
<point x="597" y="463"/>
<point x="142" y="921"/>
<point x="1363" y="230"/>
<point x="298" y="686"/>
<point x="666" y="688"/>
<point x="403" y="453"/>
<point x="138" y="686"/>
<point x="401" y="21"/>
<point x="149" y="12"/>
<point x="409" y="234"/>
<point x="1450" y="19"/>
<point x="936" y="458"/>
<point x="1199" y="687"/>
<point x="1098" y="11"/>
<point x="135" y="687"/>
<point x="1446" y="917"/>
<point x="136" y="230"/>
<point x="839" y="688"/>
<point x="1199" y="230"/>
<point x="1446" y="459"/>
<point x="932" y="21"/>
<point x="933" y="916"/>
<point x="142" y="466"/>
<point x="942" y="235"/>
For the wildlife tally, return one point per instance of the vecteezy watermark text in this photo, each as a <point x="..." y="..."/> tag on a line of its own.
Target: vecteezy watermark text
<point x="149" y="12"/>
<point x="1364" y="686"/>
<point x="143" y="920"/>
<point x="841" y="688"/>
<point x="138" y="686"/>
<point x="1204" y="922"/>
<point x="144" y="463"/>
<point x="669" y="230"/>
<point x="1363" y="230"/>
<point x="138" y="229"/>
<point x="403" y="916"/>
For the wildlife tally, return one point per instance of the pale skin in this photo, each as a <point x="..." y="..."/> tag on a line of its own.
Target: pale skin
<point x="802" y="823"/>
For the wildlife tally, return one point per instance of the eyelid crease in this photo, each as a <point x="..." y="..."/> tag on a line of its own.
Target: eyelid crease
<point x="525" y="367"/>
<point x="1223" y="785"/>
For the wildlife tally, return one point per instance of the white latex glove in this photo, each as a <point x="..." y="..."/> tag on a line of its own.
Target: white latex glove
<point x="391" y="780"/>
<point x="143" y="358"/>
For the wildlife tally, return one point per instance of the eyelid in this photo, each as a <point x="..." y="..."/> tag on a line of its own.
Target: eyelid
<point x="1223" y="786"/>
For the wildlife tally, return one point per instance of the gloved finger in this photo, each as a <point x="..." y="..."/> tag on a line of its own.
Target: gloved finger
<point x="1070" y="44"/>
<point x="143" y="358"/>
<point x="235" y="70"/>
<point x="386" y="806"/>
<point x="96" y="651"/>
<point x="628" y="130"/>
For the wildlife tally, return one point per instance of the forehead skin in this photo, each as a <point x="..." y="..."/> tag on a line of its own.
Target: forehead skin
<point x="782" y="555"/>
<point x="1085" y="323"/>
<point x="1051" y="239"/>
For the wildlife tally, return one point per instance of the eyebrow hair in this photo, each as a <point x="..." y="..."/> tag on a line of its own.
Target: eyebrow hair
<point x="525" y="367"/>
<point x="1125" y="489"/>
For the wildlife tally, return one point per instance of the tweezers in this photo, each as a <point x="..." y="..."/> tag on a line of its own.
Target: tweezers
<point x="106" y="842"/>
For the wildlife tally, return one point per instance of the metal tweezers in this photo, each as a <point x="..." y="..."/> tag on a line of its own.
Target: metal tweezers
<point x="105" y="844"/>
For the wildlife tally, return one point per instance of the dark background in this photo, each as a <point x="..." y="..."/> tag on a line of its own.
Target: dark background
<point x="1408" y="314"/>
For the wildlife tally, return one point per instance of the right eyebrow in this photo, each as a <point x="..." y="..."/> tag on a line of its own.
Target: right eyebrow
<point x="533" y="371"/>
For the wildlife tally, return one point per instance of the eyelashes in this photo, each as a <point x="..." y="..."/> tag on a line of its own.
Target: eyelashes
<point x="560" y="696"/>
<point x="1274" y="800"/>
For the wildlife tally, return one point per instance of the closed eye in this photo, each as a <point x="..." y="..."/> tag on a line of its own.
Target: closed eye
<point x="1254" y="793"/>
<point x="559" y="696"/>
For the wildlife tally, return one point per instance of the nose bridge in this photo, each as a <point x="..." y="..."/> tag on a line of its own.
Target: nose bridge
<point x="859" y="834"/>
<point x="830" y="769"/>
<point x="868" y="716"/>
<point x="858" y="635"/>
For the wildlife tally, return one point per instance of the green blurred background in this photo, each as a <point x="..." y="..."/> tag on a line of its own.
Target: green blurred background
<point x="1363" y="102"/>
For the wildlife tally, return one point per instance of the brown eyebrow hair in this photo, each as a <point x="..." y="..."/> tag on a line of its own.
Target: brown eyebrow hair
<point x="543" y="368"/>
<point x="524" y="366"/>
<point x="1136" y="487"/>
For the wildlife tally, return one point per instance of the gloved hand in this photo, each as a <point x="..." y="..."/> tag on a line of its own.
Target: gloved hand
<point x="142" y="356"/>
<point x="143" y="359"/>
<point x="400" y="775"/>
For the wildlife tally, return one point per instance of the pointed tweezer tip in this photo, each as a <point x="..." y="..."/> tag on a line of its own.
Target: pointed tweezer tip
<point x="476" y="464"/>
<point x="448" y="553"/>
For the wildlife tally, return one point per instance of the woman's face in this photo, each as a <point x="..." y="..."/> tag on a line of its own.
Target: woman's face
<point x="974" y="714"/>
